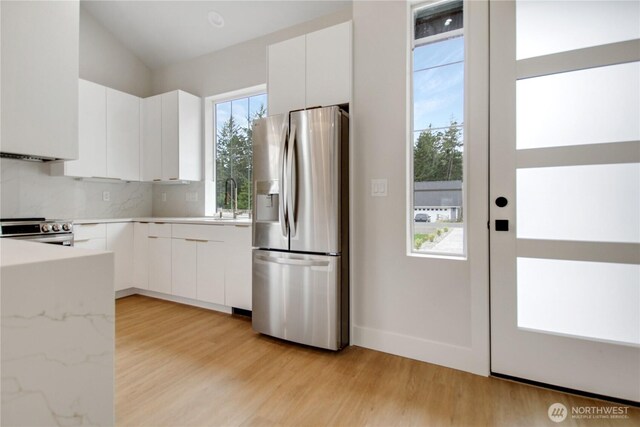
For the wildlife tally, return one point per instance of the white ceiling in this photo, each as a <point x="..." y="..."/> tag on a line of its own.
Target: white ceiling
<point x="164" y="32"/>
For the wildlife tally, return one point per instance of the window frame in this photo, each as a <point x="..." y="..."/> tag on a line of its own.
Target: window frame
<point x="210" y="137"/>
<point x="410" y="184"/>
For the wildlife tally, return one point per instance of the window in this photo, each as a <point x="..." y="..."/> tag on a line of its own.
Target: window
<point x="233" y="147"/>
<point x="437" y="148"/>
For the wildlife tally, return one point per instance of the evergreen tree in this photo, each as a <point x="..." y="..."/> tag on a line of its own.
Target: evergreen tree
<point x="234" y="160"/>
<point x="437" y="154"/>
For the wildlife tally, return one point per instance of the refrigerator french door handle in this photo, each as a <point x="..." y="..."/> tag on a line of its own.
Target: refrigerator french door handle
<point x="292" y="179"/>
<point x="282" y="213"/>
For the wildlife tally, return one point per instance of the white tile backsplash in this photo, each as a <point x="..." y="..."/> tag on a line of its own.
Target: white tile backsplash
<point x="180" y="200"/>
<point x="27" y="189"/>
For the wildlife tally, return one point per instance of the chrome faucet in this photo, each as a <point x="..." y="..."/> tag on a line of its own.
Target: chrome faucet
<point x="231" y="195"/>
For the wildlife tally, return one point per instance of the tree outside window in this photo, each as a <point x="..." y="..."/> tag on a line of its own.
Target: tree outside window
<point x="234" y="147"/>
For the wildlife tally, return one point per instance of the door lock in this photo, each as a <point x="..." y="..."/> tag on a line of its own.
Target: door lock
<point x="501" y="202"/>
<point x="502" y="225"/>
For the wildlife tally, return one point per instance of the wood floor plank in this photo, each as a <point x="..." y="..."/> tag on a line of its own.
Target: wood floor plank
<point x="178" y="366"/>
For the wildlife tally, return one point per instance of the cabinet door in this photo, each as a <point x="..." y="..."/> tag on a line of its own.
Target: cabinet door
<point x="39" y="94"/>
<point x="238" y="268"/>
<point x="123" y="135"/>
<point x="211" y="265"/>
<point x="328" y="66"/>
<point x="92" y="132"/>
<point x="151" y="158"/>
<point x="170" y="137"/>
<point x="183" y="268"/>
<point x="160" y="264"/>
<point x="189" y="137"/>
<point x="141" y="255"/>
<point x="98" y="244"/>
<point x="286" y="76"/>
<point x="120" y="241"/>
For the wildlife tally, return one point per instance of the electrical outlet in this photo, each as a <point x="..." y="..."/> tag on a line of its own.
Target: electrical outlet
<point x="163" y="196"/>
<point x="106" y="196"/>
<point x="379" y="187"/>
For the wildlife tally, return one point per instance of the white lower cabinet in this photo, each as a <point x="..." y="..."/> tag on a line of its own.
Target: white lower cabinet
<point x="141" y="255"/>
<point x="160" y="264"/>
<point x="237" y="275"/>
<point x="208" y="263"/>
<point x="210" y="272"/>
<point x="183" y="268"/>
<point x="114" y="237"/>
<point x="98" y="244"/>
<point x="120" y="242"/>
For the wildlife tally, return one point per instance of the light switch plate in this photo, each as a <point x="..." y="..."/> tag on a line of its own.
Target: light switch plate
<point x="106" y="196"/>
<point x="163" y="196"/>
<point x="379" y="187"/>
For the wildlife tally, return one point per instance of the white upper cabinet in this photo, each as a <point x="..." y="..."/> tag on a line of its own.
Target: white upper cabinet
<point x="39" y="97"/>
<point x="108" y="133"/>
<point x="311" y="70"/>
<point x="92" y="133"/>
<point x="328" y="67"/>
<point x="123" y="136"/>
<point x="172" y="137"/>
<point x="151" y="159"/>
<point x="286" y="76"/>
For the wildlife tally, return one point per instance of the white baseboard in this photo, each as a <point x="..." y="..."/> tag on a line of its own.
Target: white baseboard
<point x="173" y="298"/>
<point x="451" y="356"/>
<point x="126" y="292"/>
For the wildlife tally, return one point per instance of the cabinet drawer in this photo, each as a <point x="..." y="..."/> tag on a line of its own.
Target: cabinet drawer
<point x="99" y="244"/>
<point x="89" y="231"/>
<point x="212" y="233"/>
<point x="157" y="229"/>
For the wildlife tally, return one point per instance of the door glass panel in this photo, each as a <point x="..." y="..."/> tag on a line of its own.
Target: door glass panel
<point x="598" y="203"/>
<point x="546" y="27"/>
<point x="597" y="105"/>
<point x="586" y="299"/>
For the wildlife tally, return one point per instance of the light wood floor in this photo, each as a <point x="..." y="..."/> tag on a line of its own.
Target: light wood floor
<point x="183" y="366"/>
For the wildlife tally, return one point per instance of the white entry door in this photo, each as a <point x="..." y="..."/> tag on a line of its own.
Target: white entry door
<point x="565" y="194"/>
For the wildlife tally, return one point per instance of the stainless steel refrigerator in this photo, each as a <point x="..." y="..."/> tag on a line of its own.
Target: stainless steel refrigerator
<point x="301" y="227"/>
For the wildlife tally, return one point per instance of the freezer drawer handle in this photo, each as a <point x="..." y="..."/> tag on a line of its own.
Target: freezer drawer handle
<point x="293" y="261"/>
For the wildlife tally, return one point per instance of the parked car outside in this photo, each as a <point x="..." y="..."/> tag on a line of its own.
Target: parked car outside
<point x="422" y="217"/>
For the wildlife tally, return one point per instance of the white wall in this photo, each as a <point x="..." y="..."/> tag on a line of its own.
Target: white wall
<point x="235" y="67"/>
<point x="104" y="60"/>
<point x="27" y="189"/>
<point x="429" y="309"/>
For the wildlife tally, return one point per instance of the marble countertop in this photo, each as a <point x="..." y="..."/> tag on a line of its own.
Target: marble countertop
<point x="19" y="252"/>
<point x="207" y="220"/>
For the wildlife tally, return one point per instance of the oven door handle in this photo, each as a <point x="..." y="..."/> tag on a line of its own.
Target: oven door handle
<point x="48" y="239"/>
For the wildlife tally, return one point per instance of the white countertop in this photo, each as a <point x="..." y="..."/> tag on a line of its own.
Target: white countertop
<point x="207" y="220"/>
<point x="18" y="252"/>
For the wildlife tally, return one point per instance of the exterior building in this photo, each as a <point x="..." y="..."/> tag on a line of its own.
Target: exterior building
<point x="441" y="200"/>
